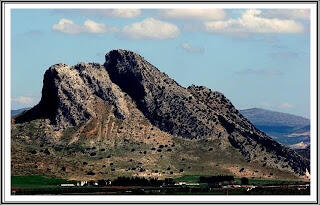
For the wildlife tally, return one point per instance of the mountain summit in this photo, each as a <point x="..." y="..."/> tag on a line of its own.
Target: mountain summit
<point x="130" y="109"/>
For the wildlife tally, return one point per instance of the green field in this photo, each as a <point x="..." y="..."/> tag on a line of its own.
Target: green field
<point x="189" y="178"/>
<point x="35" y="184"/>
<point x="35" y="181"/>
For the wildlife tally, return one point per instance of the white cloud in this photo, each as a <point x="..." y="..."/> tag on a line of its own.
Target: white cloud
<point x="285" y="105"/>
<point x="66" y="26"/>
<point x="23" y="100"/>
<point x="251" y="21"/>
<point x="119" y="13"/>
<point x="150" y="28"/>
<point x="69" y="27"/>
<point x="123" y="13"/>
<point x="193" y="14"/>
<point x="94" y="27"/>
<point x="187" y="47"/>
<point x="288" y="13"/>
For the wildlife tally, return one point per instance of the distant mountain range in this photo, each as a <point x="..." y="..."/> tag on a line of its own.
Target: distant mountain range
<point x="18" y="111"/>
<point x="286" y="128"/>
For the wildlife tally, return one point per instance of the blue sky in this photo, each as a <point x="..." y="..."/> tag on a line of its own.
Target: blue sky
<point x="257" y="58"/>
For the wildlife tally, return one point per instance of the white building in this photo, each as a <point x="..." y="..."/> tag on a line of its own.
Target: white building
<point x="67" y="185"/>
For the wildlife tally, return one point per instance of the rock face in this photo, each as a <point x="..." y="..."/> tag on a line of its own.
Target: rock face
<point x="195" y="112"/>
<point x="70" y="95"/>
<point x="305" y="152"/>
<point x="164" y="102"/>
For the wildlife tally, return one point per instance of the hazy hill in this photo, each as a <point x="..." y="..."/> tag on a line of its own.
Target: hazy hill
<point x="18" y="111"/>
<point x="127" y="118"/>
<point x="265" y="117"/>
<point x="286" y="128"/>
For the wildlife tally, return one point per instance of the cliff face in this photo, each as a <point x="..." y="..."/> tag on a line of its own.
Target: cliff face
<point x="165" y="103"/>
<point x="132" y="88"/>
<point x="70" y="93"/>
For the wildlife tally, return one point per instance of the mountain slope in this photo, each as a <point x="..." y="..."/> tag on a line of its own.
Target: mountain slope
<point x="304" y="152"/>
<point x="128" y="114"/>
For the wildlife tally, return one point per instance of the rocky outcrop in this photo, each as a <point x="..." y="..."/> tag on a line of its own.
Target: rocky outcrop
<point x="70" y="96"/>
<point x="70" y="93"/>
<point x="194" y="112"/>
<point x="163" y="101"/>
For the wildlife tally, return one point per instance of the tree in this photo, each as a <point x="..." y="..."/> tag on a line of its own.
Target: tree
<point x="244" y="181"/>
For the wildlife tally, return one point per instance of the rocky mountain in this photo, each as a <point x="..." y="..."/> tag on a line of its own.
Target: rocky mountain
<point x="304" y="152"/>
<point x="127" y="118"/>
<point x="286" y="128"/>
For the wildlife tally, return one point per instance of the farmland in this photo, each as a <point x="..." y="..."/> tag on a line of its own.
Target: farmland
<point x="185" y="185"/>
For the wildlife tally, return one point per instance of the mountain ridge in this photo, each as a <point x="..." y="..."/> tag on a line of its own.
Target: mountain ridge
<point x="127" y="99"/>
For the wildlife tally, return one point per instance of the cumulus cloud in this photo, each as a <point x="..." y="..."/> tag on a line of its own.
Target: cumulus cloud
<point x="150" y="28"/>
<point x="303" y="14"/>
<point x="119" y="13"/>
<point x="123" y="13"/>
<point x="23" y="100"/>
<point x="94" y="27"/>
<point x="251" y="21"/>
<point x="262" y="72"/>
<point x="69" y="27"/>
<point x="192" y="49"/>
<point x="193" y="14"/>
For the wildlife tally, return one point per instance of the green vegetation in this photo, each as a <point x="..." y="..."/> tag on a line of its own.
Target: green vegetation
<point x="37" y="181"/>
<point x="35" y="184"/>
<point x="189" y="178"/>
